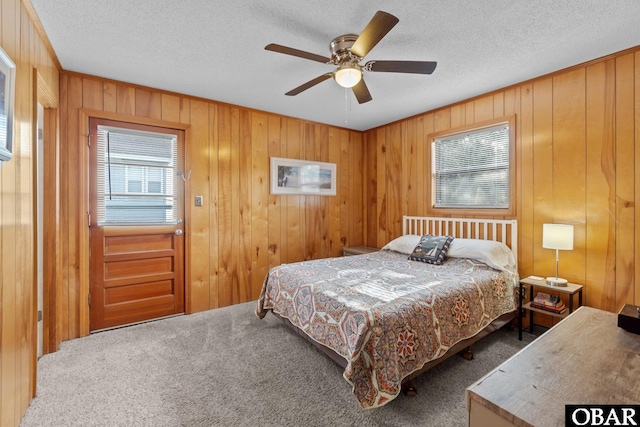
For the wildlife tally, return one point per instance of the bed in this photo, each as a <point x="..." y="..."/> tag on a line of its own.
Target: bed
<point x="386" y="317"/>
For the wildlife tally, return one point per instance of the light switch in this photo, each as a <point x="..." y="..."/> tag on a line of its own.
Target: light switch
<point x="199" y="201"/>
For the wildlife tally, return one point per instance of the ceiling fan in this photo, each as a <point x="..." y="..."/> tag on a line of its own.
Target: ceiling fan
<point x="346" y="53"/>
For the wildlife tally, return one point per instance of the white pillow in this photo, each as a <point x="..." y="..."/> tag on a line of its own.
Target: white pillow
<point x="495" y="254"/>
<point x="403" y="244"/>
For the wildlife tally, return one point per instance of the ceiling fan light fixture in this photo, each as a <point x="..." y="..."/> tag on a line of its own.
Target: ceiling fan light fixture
<point x="348" y="75"/>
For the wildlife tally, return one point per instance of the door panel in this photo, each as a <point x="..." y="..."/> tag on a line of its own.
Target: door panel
<point x="120" y="294"/>
<point x="137" y="270"/>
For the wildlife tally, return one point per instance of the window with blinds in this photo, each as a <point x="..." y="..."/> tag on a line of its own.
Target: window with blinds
<point x="471" y="169"/>
<point x="136" y="177"/>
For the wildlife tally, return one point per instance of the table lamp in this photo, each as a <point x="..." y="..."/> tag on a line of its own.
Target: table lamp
<point x="560" y="238"/>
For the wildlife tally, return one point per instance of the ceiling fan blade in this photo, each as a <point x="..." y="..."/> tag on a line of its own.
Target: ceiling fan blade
<point x="415" y="67"/>
<point x="296" y="52"/>
<point x="376" y="29"/>
<point x="361" y="92"/>
<point x="309" y="84"/>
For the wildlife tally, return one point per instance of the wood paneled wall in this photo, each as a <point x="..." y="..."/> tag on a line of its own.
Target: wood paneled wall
<point x="242" y="230"/>
<point x="19" y="38"/>
<point x="578" y="162"/>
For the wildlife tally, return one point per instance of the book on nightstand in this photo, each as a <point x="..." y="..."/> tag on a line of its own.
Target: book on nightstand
<point x="551" y="303"/>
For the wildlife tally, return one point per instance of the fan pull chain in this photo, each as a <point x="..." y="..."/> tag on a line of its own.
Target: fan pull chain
<point x="347" y="106"/>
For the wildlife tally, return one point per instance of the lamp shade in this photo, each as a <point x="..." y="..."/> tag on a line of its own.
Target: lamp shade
<point x="348" y="75"/>
<point x="557" y="236"/>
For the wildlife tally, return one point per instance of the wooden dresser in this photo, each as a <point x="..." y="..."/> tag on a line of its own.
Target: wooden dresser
<point x="584" y="359"/>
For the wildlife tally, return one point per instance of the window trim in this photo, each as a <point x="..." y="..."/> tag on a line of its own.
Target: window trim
<point x="505" y="212"/>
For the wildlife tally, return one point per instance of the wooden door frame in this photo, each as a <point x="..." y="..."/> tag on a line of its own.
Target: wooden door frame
<point x="44" y="96"/>
<point x="83" y="205"/>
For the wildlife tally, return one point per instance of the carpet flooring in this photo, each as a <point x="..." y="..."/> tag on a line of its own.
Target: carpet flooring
<point x="226" y="367"/>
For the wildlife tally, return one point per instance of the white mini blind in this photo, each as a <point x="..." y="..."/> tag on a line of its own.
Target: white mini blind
<point x="136" y="177"/>
<point x="471" y="169"/>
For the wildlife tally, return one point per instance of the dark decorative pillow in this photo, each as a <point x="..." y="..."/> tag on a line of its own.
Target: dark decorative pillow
<point x="431" y="249"/>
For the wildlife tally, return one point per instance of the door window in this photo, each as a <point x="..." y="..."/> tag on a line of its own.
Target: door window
<point x="136" y="176"/>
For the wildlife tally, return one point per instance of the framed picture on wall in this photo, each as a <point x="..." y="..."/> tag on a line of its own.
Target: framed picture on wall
<point x="291" y="176"/>
<point x="7" y="100"/>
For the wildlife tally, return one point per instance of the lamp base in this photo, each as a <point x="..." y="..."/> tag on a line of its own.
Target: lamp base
<point x="554" y="281"/>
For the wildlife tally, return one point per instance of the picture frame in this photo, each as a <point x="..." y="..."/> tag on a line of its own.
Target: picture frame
<point x="302" y="177"/>
<point x="7" y="101"/>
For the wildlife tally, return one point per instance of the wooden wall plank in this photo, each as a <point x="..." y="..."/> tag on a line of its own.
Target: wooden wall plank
<point x="637" y="173"/>
<point x="92" y="94"/>
<point x="318" y="226"/>
<point x="420" y="182"/>
<point x="469" y="114"/>
<point x="410" y="169"/>
<point x="543" y="259"/>
<point x="304" y="200"/>
<point x="601" y="185"/>
<point x="225" y="210"/>
<point x="498" y="104"/>
<point x="625" y="181"/>
<point x="334" y="229"/>
<point x="442" y="119"/>
<point x="77" y="214"/>
<point x="259" y="182"/>
<point x="199" y="182"/>
<point x="276" y="134"/>
<point x="294" y="211"/>
<point x="214" y="208"/>
<point x="324" y="219"/>
<point x="3" y="342"/>
<point x="62" y="290"/>
<point x="544" y="179"/>
<point x="185" y="110"/>
<point x="427" y="130"/>
<point x="483" y="109"/>
<point x="310" y="226"/>
<point x="51" y="227"/>
<point x="394" y="184"/>
<point x="458" y="116"/>
<point x="9" y="357"/>
<point x="148" y="103"/>
<point x="345" y="187"/>
<point x="518" y="102"/>
<point x="244" y="199"/>
<point x="110" y="97"/>
<point x="170" y="107"/>
<point x="236" y="200"/>
<point x="357" y="203"/>
<point x="125" y="100"/>
<point x="381" y="190"/>
<point x="26" y="298"/>
<point x="371" y="154"/>
<point x="569" y="174"/>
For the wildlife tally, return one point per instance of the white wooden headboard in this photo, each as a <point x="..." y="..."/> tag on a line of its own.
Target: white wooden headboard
<point x="501" y="230"/>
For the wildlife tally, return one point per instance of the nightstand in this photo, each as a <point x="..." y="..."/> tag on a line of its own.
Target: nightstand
<point x="571" y="290"/>
<point x="358" y="250"/>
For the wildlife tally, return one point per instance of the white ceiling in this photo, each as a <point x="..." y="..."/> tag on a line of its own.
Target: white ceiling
<point x="214" y="49"/>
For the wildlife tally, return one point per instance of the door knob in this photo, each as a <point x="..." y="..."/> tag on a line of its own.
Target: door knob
<point x="178" y="232"/>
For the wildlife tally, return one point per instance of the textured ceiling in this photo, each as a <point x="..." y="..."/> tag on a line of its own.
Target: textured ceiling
<point x="215" y="49"/>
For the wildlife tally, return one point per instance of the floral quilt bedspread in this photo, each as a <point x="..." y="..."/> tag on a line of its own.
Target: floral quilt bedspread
<point x="386" y="315"/>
